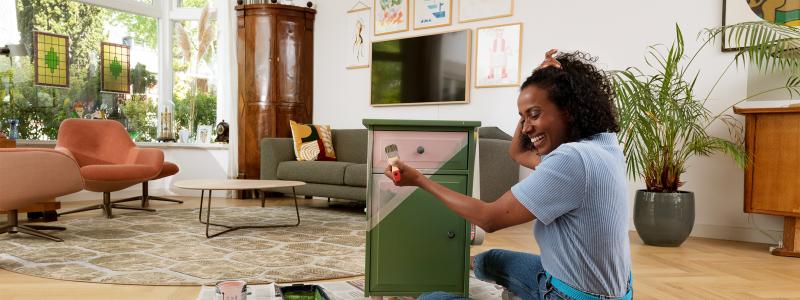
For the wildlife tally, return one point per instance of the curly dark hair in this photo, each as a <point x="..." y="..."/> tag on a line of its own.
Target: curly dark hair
<point x="580" y="89"/>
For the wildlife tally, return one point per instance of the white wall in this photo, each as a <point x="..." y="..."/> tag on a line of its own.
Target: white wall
<point x="759" y="82"/>
<point x="618" y="32"/>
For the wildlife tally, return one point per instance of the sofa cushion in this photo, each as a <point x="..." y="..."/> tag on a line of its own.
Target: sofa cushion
<point x="328" y="172"/>
<point x="356" y="175"/>
<point x="350" y="145"/>
<point x="312" y="142"/>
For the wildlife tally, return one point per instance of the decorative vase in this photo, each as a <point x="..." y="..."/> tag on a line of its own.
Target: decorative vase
<point x="13" y="129"/>
<point x="663" y="219"/>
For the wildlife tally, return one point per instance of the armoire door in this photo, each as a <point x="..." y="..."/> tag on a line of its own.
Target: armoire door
<point x="259" y="68"/>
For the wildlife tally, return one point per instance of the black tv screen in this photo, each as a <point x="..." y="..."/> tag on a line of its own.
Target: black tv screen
<point x="421" y="70"/>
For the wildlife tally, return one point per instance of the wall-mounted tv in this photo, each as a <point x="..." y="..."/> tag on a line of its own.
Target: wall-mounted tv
<point x="430" y="69"/>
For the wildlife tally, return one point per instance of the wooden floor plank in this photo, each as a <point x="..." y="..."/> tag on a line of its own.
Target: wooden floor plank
<point x="699" y="269"/>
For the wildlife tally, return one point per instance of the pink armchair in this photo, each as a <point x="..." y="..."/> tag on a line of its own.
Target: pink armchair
<point x="28" y="176"/>
<point x="169" y="169"/>
<point x="108" y="158"/>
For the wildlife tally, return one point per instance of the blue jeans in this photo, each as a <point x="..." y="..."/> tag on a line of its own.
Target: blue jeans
<point x="519" y="272"/>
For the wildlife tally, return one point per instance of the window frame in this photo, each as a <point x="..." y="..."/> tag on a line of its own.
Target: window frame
<point x="166" y="12"/>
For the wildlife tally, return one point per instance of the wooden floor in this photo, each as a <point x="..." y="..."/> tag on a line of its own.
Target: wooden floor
<point x="699" y="269"/>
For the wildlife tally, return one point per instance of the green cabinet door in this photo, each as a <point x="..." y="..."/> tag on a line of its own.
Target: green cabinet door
<point x="419" y="246"/>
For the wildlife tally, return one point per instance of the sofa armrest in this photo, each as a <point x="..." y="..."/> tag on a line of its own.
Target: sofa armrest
<point x="498" y="172"/>
<point x="29" y="175"/>
<point x="273" y="152"/>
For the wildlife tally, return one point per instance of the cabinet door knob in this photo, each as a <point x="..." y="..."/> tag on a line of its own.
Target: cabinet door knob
<point x="420" y="149"/>
<point x="451" y="235"/>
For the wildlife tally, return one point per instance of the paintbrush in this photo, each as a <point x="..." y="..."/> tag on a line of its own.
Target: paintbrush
<point x="392" y="158"/>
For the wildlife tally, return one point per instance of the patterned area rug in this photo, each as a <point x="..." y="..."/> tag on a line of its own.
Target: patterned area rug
<point x="169" y="247"/>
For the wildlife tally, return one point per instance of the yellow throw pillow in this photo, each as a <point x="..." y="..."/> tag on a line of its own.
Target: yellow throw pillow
<point x="312" y="142"/>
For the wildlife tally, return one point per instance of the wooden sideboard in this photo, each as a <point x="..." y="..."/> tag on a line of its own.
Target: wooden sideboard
<point x="275" y="56"/>
<point x="772" y="179"/>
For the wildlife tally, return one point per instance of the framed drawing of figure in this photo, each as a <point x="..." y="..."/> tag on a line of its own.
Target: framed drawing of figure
<point x="359" y="40"/>
<point x="497" y="58"/>
<point x="390" y="16"/>
<point x="432" y="13"/>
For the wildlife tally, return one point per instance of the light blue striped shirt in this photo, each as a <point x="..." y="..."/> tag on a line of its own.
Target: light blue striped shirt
<point x="578" y="194"/>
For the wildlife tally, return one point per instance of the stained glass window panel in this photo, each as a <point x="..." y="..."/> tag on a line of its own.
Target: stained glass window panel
<point x="52" y="59"/>
<point x="116" y="68"/>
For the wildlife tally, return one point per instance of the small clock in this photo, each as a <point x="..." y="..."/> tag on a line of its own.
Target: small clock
<point x="222" y="132"/>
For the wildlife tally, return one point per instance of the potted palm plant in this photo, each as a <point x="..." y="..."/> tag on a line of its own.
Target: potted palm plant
<point x="662" y="124"/>
<point x="768" y="46"/>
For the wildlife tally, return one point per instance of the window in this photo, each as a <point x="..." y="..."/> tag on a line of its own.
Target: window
<point x="189" y="91"/>
<point x="193" y="3"/>
<point x="38" y="110"/>
<point x="194" y="84"/>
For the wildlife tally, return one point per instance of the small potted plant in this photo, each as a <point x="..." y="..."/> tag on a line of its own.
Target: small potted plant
<point x="662" y="124"/>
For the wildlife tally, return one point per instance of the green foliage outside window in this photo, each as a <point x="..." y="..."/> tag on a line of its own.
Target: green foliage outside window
<point x="206" y="108"/>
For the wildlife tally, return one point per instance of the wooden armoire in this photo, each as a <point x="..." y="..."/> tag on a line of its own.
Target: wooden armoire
<point x="275" y="56"/>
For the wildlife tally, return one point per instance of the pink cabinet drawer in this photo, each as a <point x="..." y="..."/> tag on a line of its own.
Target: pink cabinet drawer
<point x="427" y="151"/>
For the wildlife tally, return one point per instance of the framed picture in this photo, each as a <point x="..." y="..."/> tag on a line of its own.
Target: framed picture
<point x="476" y="10"/>
<point x="115" y="72"/>
<point x="203" y="134"/>
<point x="497" y="58"/>
<point x="738" y="11"/>
<point x="359" y="39"/>
<point x="432" y="13"/>
<point x="390" y="16"/>
<point x="51" y="59"/>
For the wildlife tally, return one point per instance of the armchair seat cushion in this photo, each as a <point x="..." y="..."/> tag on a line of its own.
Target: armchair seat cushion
<point x="356" y="175"/>
<point x="125" y="172"/>
<point x="326" y="172"/>
<point x="169" y="169"/>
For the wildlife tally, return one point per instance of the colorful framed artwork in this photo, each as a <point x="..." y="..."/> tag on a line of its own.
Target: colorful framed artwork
<point x="359" y="39"/>
<point x="497" y="55"/>
<point x="51" y="61"/>
<point x="390" y="16"/>
<point x="785" y="12"/>
<point x="116" y="68"/>
<point x="432" y="13"/>
<point x="476" y="10"/>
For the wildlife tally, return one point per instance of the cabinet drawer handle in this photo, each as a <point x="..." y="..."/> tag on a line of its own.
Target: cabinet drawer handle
<point x="451" y="235"/>
<point x="420" y="150"/>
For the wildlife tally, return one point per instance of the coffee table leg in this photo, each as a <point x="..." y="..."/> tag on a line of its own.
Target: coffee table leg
<point x="232" y="228"/>
<point x="200" y="214"/>
<point x="296" y="209"/>
<point x="208" y="214"/>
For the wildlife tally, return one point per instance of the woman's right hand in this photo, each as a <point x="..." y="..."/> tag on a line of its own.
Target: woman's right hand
<point x="521" y="149"/>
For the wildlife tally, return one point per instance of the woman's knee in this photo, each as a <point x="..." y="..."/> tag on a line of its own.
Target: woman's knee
<point x="486" y="264"/>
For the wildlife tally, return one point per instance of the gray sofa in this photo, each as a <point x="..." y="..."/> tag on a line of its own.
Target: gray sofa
<point x="346" y="178"/>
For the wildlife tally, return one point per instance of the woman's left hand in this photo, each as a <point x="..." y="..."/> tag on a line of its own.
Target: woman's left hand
<point x="409" y="176"/>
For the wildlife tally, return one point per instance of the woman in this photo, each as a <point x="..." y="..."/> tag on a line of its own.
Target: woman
<point x="577" y="192"/>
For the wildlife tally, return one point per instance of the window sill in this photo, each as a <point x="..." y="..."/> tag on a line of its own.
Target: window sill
<point x="51" y="144"/>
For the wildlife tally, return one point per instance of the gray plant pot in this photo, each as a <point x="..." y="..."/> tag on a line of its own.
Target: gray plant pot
<point x="663" y="219"/>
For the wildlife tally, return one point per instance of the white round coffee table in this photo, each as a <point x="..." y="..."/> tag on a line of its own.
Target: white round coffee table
<point x="237" y="185"/>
